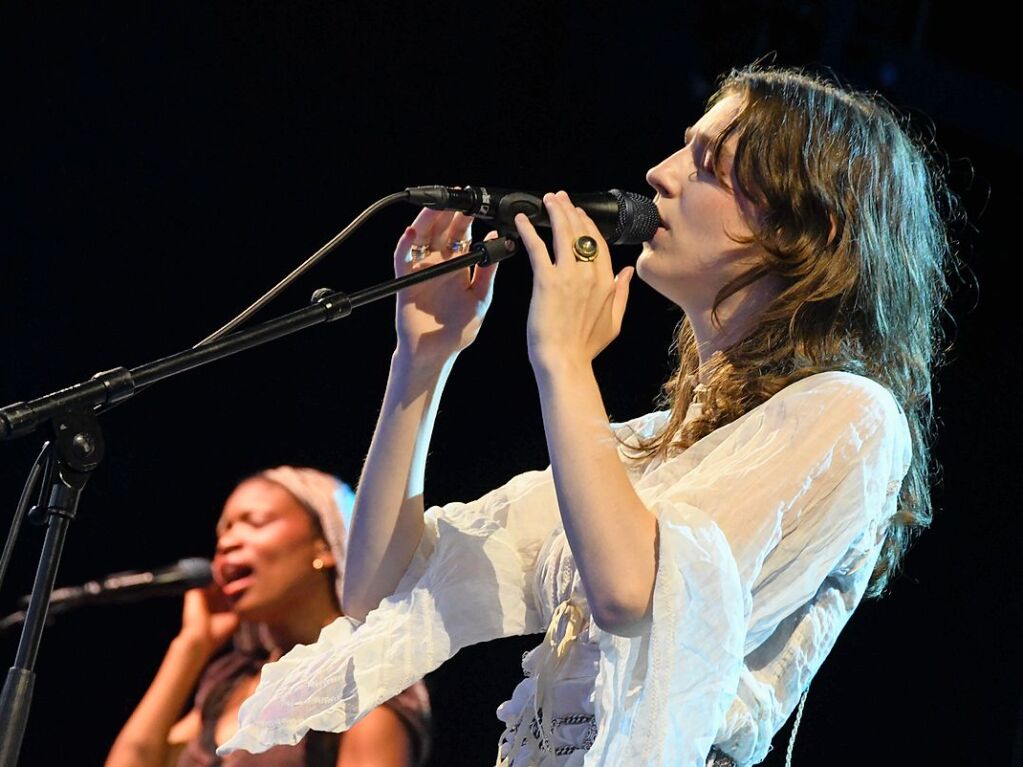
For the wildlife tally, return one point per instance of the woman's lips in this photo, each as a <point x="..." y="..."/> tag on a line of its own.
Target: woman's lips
<point x="234" y="578"/>
<point x="235" y="587"/>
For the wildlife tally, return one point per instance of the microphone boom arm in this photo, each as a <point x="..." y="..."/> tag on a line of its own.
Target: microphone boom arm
<point x="111" y="387"/>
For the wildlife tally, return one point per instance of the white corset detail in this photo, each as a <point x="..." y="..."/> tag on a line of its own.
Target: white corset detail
<point x="550" y="719"/>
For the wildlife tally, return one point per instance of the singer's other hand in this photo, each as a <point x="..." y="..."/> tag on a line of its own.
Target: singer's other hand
<point x="206" y="619"/>
<point x="577" y="306"/>
<point x="438" y="318"/>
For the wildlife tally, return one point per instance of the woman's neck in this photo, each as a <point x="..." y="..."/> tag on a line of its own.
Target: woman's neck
<point x="736" y="317"/>
<point x="303" y="624"/>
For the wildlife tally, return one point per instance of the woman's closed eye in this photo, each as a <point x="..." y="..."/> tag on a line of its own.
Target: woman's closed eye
<point x="703" y="163"/>
<point x="249" y="519"/>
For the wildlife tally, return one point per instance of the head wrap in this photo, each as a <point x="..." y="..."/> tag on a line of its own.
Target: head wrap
<point x="328" y="499"/>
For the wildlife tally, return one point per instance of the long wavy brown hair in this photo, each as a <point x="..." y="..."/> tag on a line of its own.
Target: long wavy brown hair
<point x="854" y="209"/>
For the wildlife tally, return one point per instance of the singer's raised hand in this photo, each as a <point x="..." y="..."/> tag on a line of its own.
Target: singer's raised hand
<point x="577" y="306"/>
<point x="438" y="318"/>
<point x="207" y="620"/>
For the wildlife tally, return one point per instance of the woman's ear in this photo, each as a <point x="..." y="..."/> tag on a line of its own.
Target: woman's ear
<point x="324" y="555"/>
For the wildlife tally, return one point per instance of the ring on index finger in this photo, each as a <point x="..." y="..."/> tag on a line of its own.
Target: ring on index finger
<point x="585" y="248"/>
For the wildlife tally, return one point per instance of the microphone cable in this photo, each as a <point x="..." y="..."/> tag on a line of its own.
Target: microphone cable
<point x="295" y="273"/>
<point x="19" y="513"/>
<point x="315" y="258"/>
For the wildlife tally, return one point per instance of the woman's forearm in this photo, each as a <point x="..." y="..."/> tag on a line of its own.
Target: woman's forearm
<point x="611" y="532"/>
<point x="142" y="741"/>
<point x="387" y="521"/>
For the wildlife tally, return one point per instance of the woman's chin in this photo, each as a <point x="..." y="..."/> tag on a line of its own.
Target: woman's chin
<point x="646" y="269"/>
<point x="642" y="262"/>
<point x="250" y="609"/>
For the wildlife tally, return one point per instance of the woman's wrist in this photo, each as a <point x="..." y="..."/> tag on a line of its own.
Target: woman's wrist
<point x="192" y="648"/>
<point x="551" y="367"/>
<point x="417" y="365"/>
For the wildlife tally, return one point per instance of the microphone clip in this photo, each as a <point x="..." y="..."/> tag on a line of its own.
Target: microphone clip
<point x="501" y="247"/>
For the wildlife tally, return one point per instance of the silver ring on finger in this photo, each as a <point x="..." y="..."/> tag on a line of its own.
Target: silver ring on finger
<point x="459" y="247"/>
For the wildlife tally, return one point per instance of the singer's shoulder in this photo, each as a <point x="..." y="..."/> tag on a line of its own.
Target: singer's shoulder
<point x="837" y="389"/>
<point x="837" y="392"/>
<point x="641" y="427"/>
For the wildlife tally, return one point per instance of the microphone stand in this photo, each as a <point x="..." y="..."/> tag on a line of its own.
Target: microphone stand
<point x="78" y="448"/>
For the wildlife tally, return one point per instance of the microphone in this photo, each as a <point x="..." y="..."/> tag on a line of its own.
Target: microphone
<point x="134" y="586"/>
<point x="623" y="218"/>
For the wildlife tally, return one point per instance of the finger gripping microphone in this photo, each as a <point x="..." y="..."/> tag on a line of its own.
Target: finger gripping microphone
<point x="134" y="586"/>
<point x="623" y="218"/>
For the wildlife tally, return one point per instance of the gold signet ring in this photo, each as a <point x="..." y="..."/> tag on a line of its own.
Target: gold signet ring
<point x="585" y="248"/>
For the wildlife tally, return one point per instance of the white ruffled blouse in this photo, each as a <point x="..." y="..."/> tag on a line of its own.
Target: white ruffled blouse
<point x="768" y="530"/>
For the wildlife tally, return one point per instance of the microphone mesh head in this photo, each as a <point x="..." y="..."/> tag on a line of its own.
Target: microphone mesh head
<point x="195" y="571"/>
<point x="638" y="218"/>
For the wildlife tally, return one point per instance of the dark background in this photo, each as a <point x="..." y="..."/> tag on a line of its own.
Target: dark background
<point x="164" y="164"/>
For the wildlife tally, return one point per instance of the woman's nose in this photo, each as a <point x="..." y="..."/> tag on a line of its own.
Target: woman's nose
<point x="227" y="541"/>
<point x="663" y="177"/>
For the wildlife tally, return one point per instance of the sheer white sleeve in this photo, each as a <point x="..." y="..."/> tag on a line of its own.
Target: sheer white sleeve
<point x="775" y="519"/>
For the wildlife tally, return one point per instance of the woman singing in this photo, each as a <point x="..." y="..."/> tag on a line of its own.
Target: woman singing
<point x="278" y="568"/>
<point x="691" y="567"/>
